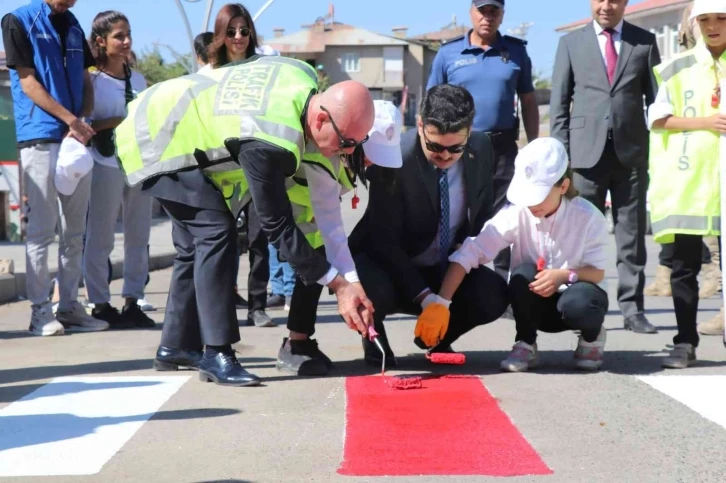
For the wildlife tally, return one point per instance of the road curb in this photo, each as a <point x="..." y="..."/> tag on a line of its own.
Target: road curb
<point x="12" y="287"/>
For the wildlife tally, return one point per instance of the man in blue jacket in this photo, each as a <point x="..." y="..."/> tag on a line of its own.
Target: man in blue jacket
<point x="48" y="58"/>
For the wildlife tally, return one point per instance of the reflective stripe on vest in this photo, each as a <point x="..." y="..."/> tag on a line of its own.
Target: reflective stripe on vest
<point x="259" y="99"/>
<point x="685" y="186"/>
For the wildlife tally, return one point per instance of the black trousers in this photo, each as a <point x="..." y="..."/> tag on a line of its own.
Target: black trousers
<point x="665" y="257"/>
<point x="259" y="254"/>
<point x="201" y="309"/>
<point x="481" y="298"/>
<point x="505" y="152"/>
<point x="628" y="187"/>
<point x="581" y="307"/>
<point x="304" y="305"/>
<point x="684" y="285"/>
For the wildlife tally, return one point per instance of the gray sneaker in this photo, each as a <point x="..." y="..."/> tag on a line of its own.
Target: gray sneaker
<point x="681" y="356"/>
<point x="259" y="318"/>
<point x="522" y="358"/>
<point x="43" y="323"/>
<point x="77" y="320"/>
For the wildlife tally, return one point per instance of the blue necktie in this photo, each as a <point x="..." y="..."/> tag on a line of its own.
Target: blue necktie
<point x="444" y="228"/>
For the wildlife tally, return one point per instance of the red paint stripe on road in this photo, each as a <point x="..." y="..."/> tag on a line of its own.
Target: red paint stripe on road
<point x="452" y="426"/>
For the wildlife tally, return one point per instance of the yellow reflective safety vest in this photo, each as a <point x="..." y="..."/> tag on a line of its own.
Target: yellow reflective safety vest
<point x="183" y="123"/>
<point x="299" y="192"/>
<point x="685" y="186"/>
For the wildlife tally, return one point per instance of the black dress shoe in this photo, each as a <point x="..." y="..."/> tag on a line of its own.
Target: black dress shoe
<point x="639" y="324"/>
<point x="372" y="354"/>
<point x="224" y="369"/>
<point x="172" y="359"/>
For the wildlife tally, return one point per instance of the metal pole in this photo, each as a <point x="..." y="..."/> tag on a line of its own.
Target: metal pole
<point x="208" y="15"/>
<point x="188" y="29"/>
<point x="262" y="9"/>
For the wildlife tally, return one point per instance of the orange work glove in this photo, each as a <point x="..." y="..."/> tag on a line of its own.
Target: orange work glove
<point x="432" y="324"/>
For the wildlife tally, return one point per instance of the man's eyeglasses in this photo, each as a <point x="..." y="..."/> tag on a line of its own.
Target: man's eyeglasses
<point x="438" y="148"/>
<point x="244" y="32"/>
<point x="345" y="143"/>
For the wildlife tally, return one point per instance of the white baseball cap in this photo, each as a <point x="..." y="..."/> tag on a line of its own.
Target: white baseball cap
<point x="537" y="168"/>
<point x="702" y="7"/>
<point x="74" y="162"/>
<point x="384" y="139"/>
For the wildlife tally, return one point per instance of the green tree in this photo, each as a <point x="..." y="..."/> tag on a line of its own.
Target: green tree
<point x="540" y="82"/>
<point x="155" y="69"/>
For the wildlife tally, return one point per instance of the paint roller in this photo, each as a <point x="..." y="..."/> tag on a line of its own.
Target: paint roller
<point x="396" y="382"/>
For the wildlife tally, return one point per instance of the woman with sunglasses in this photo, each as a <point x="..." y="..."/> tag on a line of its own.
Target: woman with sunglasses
<point x="235" y="37"/>
<point x="114" y="85"/>
<point x="235" y="40"/>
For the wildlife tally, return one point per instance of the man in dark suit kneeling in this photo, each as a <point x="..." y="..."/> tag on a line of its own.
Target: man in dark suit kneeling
<point x="419" y="214"/>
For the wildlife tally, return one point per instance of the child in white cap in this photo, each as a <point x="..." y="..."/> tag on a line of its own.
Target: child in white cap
<point x="558" y="243"/>
<point x="684" y="167"/>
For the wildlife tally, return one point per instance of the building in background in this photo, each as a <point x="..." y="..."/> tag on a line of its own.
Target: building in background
<point x="443" y="35"/>
<point x="394" y="67"/>
<point x="10" y="204"/>
<point x="662" y="17"/>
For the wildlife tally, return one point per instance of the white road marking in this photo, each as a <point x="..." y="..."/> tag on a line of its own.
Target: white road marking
<point x="74" y="425"/>
<point x="702" y="393"/>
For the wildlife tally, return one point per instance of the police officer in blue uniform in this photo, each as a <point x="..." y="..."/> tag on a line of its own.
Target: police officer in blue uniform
<point x="495" y="69"/>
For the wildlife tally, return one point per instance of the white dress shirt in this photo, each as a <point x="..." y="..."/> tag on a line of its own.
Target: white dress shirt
<point x="457" y="216"/>
<point x="602" y="39"/>
<point x="325" y="195"/>
<point x="574" y="237"/>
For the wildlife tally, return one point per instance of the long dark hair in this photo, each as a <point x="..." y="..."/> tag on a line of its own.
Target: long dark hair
<point x="218" y="50"/>
<point x="571" y="190"/>
<point x="101" y="27"/>
<point x="356" y="165"/>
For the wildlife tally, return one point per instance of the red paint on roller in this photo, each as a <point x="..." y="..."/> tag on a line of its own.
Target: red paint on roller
<point x="414" y="382"/>
<point x="454" y="358"/>
<point x="452" y="426"/>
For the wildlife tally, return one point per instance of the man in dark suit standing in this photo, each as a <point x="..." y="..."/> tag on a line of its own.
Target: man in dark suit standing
<point x="418" y="214"/>
<point x="603" y="71"/>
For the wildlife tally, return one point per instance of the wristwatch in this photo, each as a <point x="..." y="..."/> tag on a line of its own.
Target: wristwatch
<point x="572" y="278"/>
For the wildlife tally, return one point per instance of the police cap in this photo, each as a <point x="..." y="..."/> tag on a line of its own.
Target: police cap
<point x="481" y="3"/>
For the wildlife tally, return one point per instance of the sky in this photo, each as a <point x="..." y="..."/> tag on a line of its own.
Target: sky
<point x="160" y="21"/>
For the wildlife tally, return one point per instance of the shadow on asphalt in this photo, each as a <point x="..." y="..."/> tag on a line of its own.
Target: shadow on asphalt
<point x="9" y="376"/>
<point x="484" y="363"/>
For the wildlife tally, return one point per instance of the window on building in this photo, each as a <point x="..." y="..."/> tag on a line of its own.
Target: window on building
<point x="660" y="38"/>
<point x="351" y="63"/>
<point x="675" y="47"/>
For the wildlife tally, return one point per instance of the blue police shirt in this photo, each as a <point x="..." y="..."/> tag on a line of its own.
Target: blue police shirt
<point x="492" y="76"/>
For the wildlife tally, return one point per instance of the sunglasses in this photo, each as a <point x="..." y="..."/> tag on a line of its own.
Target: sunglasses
<point x="244" y="32"/>
<point x="345" y="142"/>
<point x="438" y="148"/>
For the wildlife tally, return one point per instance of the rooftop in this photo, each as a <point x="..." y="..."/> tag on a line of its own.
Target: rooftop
<point x="633" y="11"/>
<point x="314" y="38"/>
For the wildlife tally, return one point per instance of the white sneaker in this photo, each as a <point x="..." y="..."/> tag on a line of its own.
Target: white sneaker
<point x="522" y="358"/>
<point x="145" y="305"/>
<point x="43" y="323"/>
<point x="77" y="320"/>
<point x="589" y="355"/>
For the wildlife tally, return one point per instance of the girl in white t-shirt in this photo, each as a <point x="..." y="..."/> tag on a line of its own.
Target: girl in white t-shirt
<point x="114" y="86"/>
<point x="559" y="256"/>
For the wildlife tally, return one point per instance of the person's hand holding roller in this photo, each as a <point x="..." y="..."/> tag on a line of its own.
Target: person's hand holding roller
<point x="433" y="322"/>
